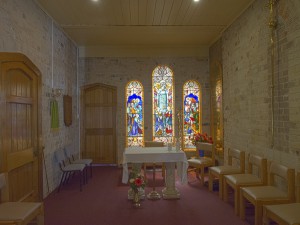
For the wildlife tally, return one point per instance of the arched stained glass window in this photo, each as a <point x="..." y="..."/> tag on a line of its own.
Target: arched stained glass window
<point x="191" y="112"/>
<point x="163" y="107"/>
<point x="134" y="114"/>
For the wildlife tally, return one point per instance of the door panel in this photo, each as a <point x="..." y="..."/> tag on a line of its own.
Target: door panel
<point x="20" y="134"/>
<point x="99" y="123"/>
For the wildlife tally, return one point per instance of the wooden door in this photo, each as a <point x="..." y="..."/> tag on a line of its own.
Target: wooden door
<point x="20" y="128"/>
<point x="98" y="123"/>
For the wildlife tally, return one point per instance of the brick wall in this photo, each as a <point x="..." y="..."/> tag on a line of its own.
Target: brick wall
<point x="27" y="29"/>
<point x="247" y="73"/>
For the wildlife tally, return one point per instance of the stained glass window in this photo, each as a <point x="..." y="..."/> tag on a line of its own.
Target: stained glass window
<point x="134" y="114"/>
<point x="162" y="93"/>
<point x="218" y="114"/>
<point x="191" y="112"/>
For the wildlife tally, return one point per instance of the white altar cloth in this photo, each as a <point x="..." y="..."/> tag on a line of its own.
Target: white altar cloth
<point x="155" y="155"/>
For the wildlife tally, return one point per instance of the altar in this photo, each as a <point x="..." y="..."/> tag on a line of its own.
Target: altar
<point x="172" y="159"/>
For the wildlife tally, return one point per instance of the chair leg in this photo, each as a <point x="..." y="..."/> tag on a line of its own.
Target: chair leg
<point x="258" y="214"/>
<point x="210" y="181"/>
<point x="237" y="200"/>
<point x="242" y="206"/>
<point x="80" y="179"/>
<point x="202" y="175"/>
<point x="61" y="181"/>
<point x="68" y="177"/>
<point x="221" y="186"/>
<point x="85" y="181"/>
<point x="225" y="191"/>
<point x="91" y="168"/>
<point x="266" y="220"/>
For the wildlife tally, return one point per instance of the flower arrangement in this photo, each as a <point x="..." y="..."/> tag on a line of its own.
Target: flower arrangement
<point x="198" y="137"/>
<point x="136" y="181"/>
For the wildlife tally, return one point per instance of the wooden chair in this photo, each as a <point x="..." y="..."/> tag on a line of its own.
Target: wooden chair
<point x="199" y="164"/>
<point x="271" y="194"/>
<point x="20" y="213"/>
<point x="236" y="164"/>
<point x="255" y="176"/>
<point x="284" y="214"/>
<point x="69" y="169"/>
<point x="153" y="165"/>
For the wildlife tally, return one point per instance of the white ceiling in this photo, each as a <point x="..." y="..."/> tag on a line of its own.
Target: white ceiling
<point x="144" y="27"/>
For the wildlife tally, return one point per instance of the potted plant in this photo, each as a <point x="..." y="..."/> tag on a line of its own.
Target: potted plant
<point x="137" y="183"/>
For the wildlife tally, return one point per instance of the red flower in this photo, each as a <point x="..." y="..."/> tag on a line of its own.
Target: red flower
<point x="198" y="137"/>
<point x="138" y="182"/>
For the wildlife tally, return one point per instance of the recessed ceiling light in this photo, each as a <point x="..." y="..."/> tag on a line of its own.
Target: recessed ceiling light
<point x="95" y="0"/>
<point x="196" y="0"/>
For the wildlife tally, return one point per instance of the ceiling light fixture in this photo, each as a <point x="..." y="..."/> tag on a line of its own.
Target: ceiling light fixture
<point x="196" y="0"/>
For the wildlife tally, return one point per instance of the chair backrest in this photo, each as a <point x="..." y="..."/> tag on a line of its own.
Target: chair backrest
<point x="261" y="164"/>
<point x="237" y="155"/>
<point x="154" y="144"/>
<point x="209" y="149"/>
<point x="286" y="174"/>
<point x="69" y="152"/>
<point x="60" y="157"/>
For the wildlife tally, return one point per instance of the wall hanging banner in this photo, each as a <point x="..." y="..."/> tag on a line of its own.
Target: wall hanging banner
<point x="54" y="114"/>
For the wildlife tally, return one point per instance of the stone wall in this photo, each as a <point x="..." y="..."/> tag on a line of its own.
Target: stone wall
<point x="119" y="71"/>
<point x="246" y="59"/>
<point x="27" y="29"/>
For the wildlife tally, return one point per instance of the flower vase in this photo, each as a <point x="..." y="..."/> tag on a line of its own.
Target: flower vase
<point x="136" y="199"/>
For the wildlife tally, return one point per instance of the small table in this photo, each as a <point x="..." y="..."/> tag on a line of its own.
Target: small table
<point x="139" y="155"/>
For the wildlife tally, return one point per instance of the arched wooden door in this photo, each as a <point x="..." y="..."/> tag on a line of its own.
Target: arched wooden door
<point x="98" y="123"/>
<point x="20" y="129"/>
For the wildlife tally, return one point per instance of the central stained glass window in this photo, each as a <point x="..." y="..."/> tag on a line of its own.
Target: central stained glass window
<point x="134" y="117"/>
<point x="163" y="106"/>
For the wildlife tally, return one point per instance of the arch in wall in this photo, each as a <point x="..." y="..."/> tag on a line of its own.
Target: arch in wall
<point x="216" y="83"/>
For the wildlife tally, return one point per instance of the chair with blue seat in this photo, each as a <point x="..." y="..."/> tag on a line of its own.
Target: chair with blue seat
<point x="73" y="159"/>
<point x="69" y="170"/>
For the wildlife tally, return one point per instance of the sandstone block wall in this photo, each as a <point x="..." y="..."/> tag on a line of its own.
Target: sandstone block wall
<point x="27" y="29"/>
<point x="247" y="73"/>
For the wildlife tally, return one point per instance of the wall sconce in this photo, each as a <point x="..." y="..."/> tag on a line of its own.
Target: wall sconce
<point x="56" y="92"/>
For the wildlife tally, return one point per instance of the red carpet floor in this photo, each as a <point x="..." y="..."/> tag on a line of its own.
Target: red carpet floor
<point x="103" y="201"/>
